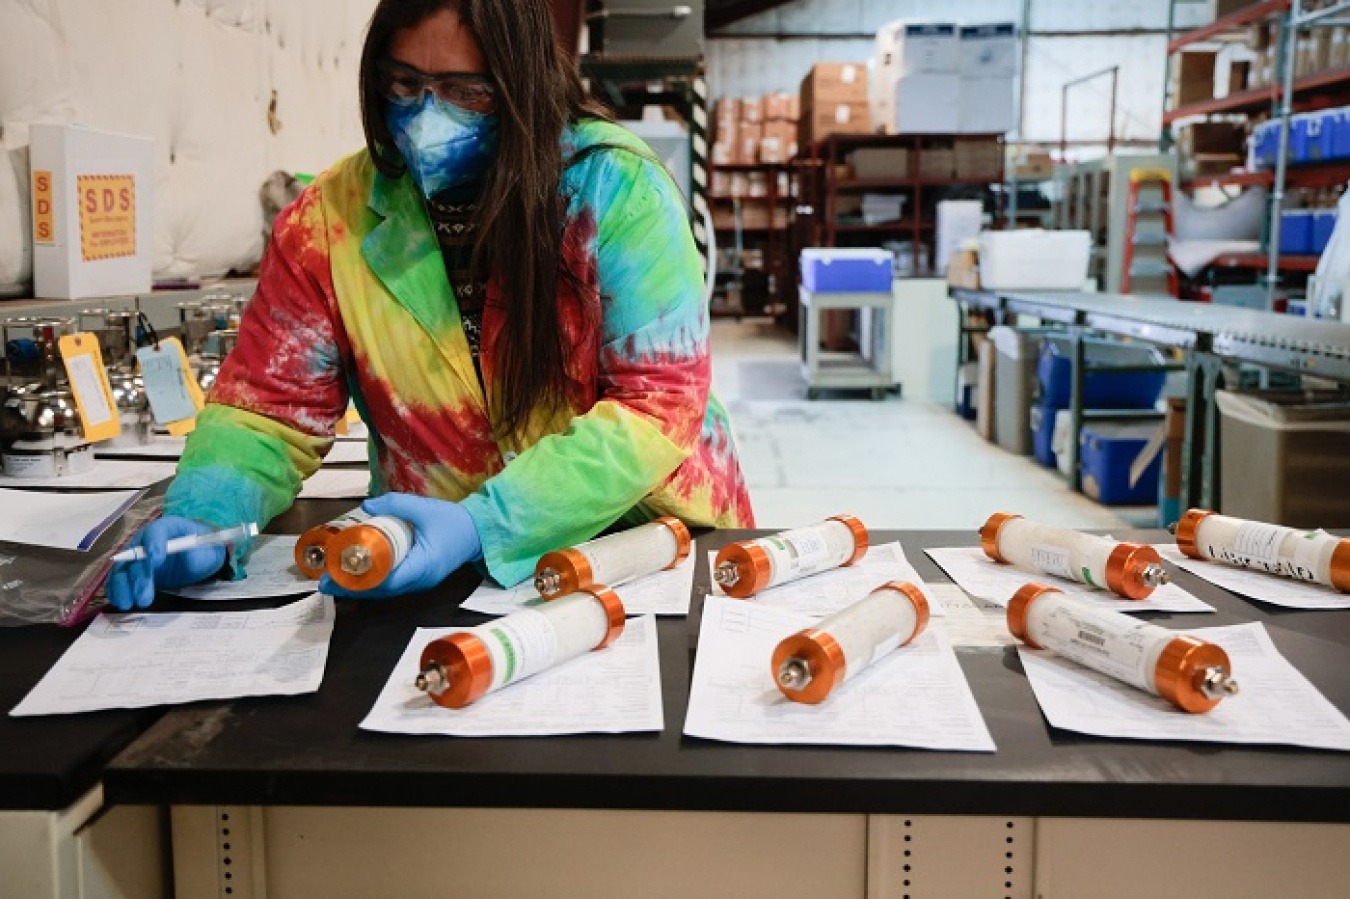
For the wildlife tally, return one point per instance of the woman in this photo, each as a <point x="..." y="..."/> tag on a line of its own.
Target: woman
<point x="505" y="285"/>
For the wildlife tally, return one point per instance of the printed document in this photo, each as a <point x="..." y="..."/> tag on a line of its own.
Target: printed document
<point x="139" y="659"/>
<point x="825" y="593"/>
<point x="970" y="621"/>
<point x="1271" y="588"/>
<point x="163" y="446"/>
<point x="663" y="593"/>
<point x="612" y="690"/>
<point x="916" y="696"/>
<point x="271" y="571"/>
<point x="105" y="475"/>
<point x="982" y="577"/>
<point x="1276" y="704"/>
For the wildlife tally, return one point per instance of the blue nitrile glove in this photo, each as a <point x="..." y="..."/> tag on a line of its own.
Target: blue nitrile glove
<point x="133" y="584"/>
<point x="444" y="538"/>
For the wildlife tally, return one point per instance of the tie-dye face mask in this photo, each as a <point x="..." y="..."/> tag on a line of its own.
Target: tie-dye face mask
<point x="443" y="144"/>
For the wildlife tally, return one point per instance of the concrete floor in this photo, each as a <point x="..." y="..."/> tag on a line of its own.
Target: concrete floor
<point x="897" y="463"/>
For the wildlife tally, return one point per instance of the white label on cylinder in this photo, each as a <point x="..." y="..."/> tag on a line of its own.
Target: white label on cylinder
<point x="398" y="532"/>
<point x="871" y="628"/>
<point x="1108" y="642"/>
<point x="806" y="551"/>
<point x="355" y="516"/>
<point x="1053" y="560"/>
<point x="1311" y="555"/>
<point x="1260" y="542"/>
<point x="634" y="553"/>
<point x="40" y="465"/>
<point x="521" y="644"/>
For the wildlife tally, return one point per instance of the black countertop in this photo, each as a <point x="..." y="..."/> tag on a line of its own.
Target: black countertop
<point x="308" y="750"/>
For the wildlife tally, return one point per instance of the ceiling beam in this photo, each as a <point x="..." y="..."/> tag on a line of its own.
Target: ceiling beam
<point x="724" y="14"/>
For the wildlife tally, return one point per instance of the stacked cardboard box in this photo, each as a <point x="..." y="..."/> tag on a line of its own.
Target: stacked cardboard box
<point x="1213" y="148"/>
<point x="979" y="159"/>
<point x="1192" y="77"/>
<point x="941" y="78"/>
<point x="755" y="130"/>
<point x="833" y="101"/>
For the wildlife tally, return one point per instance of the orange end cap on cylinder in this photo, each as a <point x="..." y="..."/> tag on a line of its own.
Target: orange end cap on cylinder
<point x="381" y="557"/>
<point x="1340" y="566"/>
<point x="614" y="611"/>
<point x="1125" y="570"/>
<point x="1017" y="610"/>
<point x="1182" y="666"/>
<point x="467" y="667"/>
<point x="574" y="572"/>
<point x="859" y="531"/>
<point x="682" y="539"/>
<point x="915" y="596"/>
<point x="318" y="536"/>
<point x="1187" y="529"/>
<point x="989" y="534"/>
<point x="823" y="657"/>
<point x="752" y="568"/>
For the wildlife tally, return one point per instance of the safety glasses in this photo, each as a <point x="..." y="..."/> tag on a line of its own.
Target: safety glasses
<point x="405" y="85"/>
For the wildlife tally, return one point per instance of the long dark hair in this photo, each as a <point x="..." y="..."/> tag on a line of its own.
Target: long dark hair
<point x="520" y="213"/>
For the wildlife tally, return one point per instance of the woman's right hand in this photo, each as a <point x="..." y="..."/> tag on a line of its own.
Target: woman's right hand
<point x="133" y="584"/>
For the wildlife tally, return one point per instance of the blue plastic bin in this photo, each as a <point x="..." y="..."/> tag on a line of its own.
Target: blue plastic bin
<point x="1311" y="137"/>
<point x="1043" y="433"/>
<point x="1101" y="390"/>
<point x="1106" y="451"/>
<point x="1296" y="231"/>
<point x="836" y="270"/>
<point x="1266" y="144"/>
<point x="1340" y="132"/>
<point x="1324" y="222"/>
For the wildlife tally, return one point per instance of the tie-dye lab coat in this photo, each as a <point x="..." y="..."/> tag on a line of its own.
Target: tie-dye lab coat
<point x="353" y="302"/>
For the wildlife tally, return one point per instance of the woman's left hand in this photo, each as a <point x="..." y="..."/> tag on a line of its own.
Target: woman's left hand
<point x="444" y="538"/>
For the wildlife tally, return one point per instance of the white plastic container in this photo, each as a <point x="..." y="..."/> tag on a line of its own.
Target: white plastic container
<point x="1034" y="259"/>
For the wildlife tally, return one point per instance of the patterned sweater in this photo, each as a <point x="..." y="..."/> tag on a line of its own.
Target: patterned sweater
<point x="353" y="301"/>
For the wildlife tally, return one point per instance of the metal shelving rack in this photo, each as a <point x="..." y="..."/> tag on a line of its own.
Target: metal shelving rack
<point x="1281" y="98"/>
<point x="771" y="239"/>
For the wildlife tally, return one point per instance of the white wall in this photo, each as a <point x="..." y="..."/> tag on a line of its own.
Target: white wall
<point x="198" y="77"/>
<point x="755" y="66"/>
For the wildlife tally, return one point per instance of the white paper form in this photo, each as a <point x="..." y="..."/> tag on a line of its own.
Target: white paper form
<point x="829" y="591"/>
<point x="663" y="593"/>
<point x="337" y="483"/>
<point x="984" y="578"/>
<point x="916" y="696"/>
<point x="347" y="452"/>
<point x="970" y="621"/>
<point x="130" y="661"/>
<point x="612" y="690"/>
<point x="271" y="571"/>
<point x="1278" y="591"/>
<point x="164" y="446"/>
<point x="1276" y="704"/>
<point x="61" y="520"/>
<point x="105" y="475"/>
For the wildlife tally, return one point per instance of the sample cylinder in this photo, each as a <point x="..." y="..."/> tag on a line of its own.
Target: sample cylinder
<point x="311" y="550"/>
<point x="613" y="560"/>
<point x="1189" y="673"/>
<point x="744" y="569"/>
<point x="1314" y="556"/>
<point x="360" y="557"/>
<point x="458" y="669"/>
<point x="809" y="665"/>
<point x="1130" y="570"/>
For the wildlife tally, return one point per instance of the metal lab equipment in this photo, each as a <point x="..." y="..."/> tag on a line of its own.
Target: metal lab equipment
<point x="41" y="434"/>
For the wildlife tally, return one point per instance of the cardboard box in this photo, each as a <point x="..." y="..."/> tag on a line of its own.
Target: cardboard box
<point x="1034" y="166"/>
<point x="752" y="110"/>
<point x="988" y="106"/>
<point x="723" y="153"/>
<point x="1193" y="77"/>
<point x="92" y="202"/>
<point x="1213" y="137"/>
<point x="819" y="122"/>
<point x="757" y="185"/>
<point x="927" y="104"/>
<point x="881" y="163"/>
<point x="727" y="109"/>
<point x="988" y="51"/>
<point x="937" y="162"/>
<point x="747" y="143"/>
<point x="779" y="143"/>
<point x="911" y="48"/>
<point x="963" y="269"/>
<point x="978" y="159"/>
<point x="777" y="107"/>
<point x="834" y="83"/>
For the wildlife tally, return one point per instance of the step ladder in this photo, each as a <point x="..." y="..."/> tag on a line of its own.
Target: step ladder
<point x="1156" y="264"/>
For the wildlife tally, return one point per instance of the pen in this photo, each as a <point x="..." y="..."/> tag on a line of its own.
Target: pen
<point x="193" y="541"/>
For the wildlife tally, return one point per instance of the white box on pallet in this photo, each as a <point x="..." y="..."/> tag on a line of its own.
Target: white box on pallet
<point x="988" y="51"/>
<point x="92" y="201"/>
<point x="1033" y="259"/>
<point x="927" y="104"/>
<point x="988" y="70"/>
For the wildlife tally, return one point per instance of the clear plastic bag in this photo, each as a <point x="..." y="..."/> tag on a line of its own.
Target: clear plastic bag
<point x="39" y="585"/>
<point x="1328" y="289"/>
